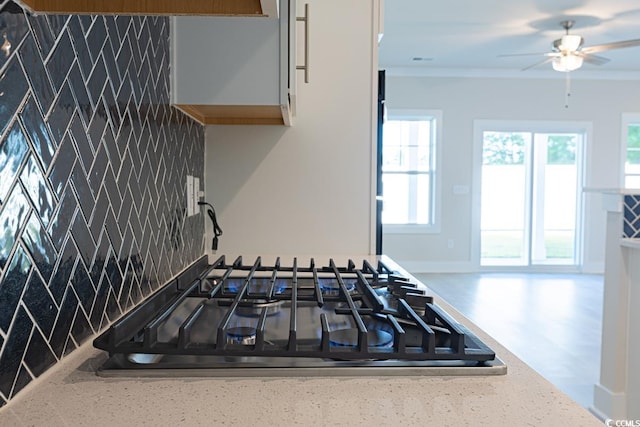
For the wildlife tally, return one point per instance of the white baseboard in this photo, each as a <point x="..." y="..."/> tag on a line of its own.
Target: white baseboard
<point x="470" y="267"/>
<point x="599" y="415"/>
<point x="593" y="268"/>
<point x="609" y="404"/>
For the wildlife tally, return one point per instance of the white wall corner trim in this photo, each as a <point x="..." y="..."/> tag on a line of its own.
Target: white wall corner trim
<point x="608" y="404"/>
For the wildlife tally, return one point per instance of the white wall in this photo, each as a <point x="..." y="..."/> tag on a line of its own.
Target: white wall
<point x="464" y="100"/>
<point x="307" y="189"/>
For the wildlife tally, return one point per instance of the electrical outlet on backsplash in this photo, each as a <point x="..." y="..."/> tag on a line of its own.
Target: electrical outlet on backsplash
<point x="93" y="161"/>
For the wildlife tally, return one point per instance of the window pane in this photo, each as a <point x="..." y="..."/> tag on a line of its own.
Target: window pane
<point x="503" y="193"/>
<point x="633" y="136"/>
<point x="395" y="158"/>
<point x="424" y="159"/>
<point x="503" y="148"/>
<point x="407" y="166"/>
<point x="503" y="197"/>
<point x="631" y="169"/>
<point x="407" y="145"/>
<point x="632" y="164"/>
<point x="633" y="157"/>
<point x="560" y="204"/>
<point x="423" y="214"/>
<point x="502" y="247"/>
<point x="561" y="149"/>
<point x="395" y="208"/>
<point x="632" y="181"/>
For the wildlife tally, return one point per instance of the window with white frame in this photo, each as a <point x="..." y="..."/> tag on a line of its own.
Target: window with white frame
<point x="409" y="170"/>
<point x="631" y="150"/>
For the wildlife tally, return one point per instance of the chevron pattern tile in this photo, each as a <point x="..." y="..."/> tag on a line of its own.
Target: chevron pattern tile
<point x="631" y="216"/>
<point x="93" y="162"/>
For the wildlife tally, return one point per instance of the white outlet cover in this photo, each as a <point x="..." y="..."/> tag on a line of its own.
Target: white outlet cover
<point x="190" y="209"/>
<point x="195" y="195"/>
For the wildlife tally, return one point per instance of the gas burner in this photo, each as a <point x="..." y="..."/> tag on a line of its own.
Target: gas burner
<point x="253" y="308"/>
<point x="257" y="286"/>
<point x="349" y="338"/>
<point x="332" y="287"/>
<point x="244" y="335"/>
<point x="233" y="285"/>
<point x="280" y="287"/>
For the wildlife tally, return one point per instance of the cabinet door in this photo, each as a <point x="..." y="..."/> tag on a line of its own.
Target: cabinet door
<point x="234" y="70"/>
<point x="226" y="61"/>
<point x="288" y="43"/>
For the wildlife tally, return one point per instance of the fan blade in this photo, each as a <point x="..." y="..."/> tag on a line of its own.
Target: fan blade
<point x="593" y="59"/>
<point x="544" y="61"/>
<point x="529" y="54"/>
<point x="610" y="46"/>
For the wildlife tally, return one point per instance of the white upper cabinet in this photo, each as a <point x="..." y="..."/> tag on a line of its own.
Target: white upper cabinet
<point x="234" y="70"/>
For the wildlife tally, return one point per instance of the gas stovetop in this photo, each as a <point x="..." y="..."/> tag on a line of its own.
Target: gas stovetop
<point x="250" y="319"/>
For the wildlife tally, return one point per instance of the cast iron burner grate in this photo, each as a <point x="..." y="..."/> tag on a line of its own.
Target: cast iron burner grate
<point x="235" y="315"/>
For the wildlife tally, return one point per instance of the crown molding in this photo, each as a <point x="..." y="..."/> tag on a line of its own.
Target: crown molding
<point x="510" y="74"/>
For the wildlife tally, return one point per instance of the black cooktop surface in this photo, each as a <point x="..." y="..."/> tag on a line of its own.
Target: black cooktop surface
<point x="254" y="316"/>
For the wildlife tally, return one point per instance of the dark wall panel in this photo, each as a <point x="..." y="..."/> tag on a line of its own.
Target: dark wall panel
<point x="93" y="164"/>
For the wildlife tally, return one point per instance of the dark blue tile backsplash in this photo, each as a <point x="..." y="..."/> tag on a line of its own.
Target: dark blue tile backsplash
<point x="93" y="162"/>
<point x="631" y="226"/>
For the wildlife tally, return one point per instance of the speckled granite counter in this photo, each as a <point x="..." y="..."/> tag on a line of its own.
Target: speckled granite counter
<point x="71" y="394"/>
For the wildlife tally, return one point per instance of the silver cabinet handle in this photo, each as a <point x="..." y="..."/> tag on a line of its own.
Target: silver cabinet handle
<point x="305" y="19"/>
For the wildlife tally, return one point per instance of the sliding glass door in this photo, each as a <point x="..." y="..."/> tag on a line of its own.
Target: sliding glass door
<point x="529" y="198"/>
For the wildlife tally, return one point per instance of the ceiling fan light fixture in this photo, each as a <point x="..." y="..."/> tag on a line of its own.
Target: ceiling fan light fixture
<point x="570" y="42"/>
<point x="566" y="63"/>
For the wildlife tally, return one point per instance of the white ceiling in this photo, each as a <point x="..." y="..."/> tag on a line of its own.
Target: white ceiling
<point x="467" y="36"/>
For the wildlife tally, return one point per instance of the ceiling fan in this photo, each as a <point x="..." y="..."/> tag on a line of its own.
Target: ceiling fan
<point x="568" y="53"/>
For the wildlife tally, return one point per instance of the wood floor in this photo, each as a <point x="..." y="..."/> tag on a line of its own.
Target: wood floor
<point x="553" y="322"/>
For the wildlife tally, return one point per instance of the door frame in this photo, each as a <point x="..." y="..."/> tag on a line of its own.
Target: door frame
<point x="535" y="126"/>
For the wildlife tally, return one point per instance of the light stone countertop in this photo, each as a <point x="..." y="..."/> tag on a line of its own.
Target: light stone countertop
<point x="630" y="243"/>
<point x="612" y="190"/>
<point x="71" y="394"/>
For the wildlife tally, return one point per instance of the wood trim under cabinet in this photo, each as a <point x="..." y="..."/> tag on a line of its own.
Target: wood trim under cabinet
<point x="234" y="114"/>
<point x="146" y="7"/>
